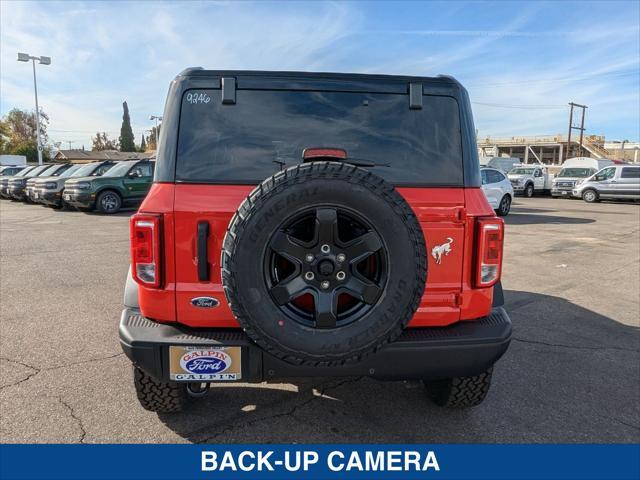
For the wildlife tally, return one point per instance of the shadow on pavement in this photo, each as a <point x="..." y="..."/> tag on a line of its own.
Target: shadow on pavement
<point x="570" y="375"/>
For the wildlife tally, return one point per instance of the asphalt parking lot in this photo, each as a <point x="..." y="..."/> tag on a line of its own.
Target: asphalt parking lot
<point x="572" y="373"/>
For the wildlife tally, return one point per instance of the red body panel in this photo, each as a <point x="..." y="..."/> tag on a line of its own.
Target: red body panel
<point x="447" y="215"/>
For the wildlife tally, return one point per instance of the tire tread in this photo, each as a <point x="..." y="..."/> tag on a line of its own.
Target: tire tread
<point x="158" y="396"/>
<point x="460" y="392"/>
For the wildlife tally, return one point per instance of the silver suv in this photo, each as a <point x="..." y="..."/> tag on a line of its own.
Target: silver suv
<point x="615" y="182"/>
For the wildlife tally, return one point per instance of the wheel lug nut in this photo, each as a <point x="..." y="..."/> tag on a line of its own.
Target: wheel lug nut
<point x="325" y="248"/>
<point x="309" y="257"/>
<point x="325" y="284"/>
<point x="341" y="257"/>
<point x="341" y="275"/>
<point x="309" y="276"/>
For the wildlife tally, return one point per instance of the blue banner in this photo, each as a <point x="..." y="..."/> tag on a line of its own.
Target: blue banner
<point x="320" y="462"/>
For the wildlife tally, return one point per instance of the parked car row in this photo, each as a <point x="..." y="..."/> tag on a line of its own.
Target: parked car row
<point x="103" y="186"/>
<point x="582" y="177"/>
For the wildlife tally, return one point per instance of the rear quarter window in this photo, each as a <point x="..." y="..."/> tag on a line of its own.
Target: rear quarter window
<point x="630" y="172"/>
<point x="494" y="176"/>
<point x="267" y="131"/>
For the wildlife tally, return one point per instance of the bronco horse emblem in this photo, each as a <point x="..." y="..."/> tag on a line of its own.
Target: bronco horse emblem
<point x="439" y="250"/>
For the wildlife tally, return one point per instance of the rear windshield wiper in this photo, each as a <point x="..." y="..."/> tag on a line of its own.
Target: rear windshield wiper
<point x="362" y="162"/>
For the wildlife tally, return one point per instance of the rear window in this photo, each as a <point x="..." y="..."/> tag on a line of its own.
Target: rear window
<point x="630" y="172"/>
<point x="267" y="131"/>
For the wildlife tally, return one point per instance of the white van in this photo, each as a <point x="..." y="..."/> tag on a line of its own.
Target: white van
<point x="621" y="182"/>
<point x="574" y="170"/>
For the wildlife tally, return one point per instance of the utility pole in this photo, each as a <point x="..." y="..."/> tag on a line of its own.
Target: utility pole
<point x="70" y="142"/>
<point x="572" y="127"/>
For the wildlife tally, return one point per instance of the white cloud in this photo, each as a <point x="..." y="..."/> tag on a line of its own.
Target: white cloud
<point x="104" y="53"/>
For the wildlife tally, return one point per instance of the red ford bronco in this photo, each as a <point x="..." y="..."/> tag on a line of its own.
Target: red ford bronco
<point x="312" y="224"/>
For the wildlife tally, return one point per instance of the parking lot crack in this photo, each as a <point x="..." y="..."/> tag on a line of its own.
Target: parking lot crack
<point x="578" y="347"/>
<point x="35" y="370"/>
<point x="622" y="422"/>
<point x="84" y="362"/>
<point x="76" y="418"/>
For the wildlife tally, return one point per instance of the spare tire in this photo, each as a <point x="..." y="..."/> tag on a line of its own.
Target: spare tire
<point x="323" y="263"/>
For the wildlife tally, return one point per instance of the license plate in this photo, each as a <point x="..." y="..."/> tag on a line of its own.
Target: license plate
<point x="67" y="197"/>
<point x="36" y="196"/>
<point x="205" y="364"/>
<point x="565" y="193"/>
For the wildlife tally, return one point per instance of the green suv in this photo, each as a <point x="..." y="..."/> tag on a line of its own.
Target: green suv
<point x="124" y="185"/>
<point x="49" y="190"/>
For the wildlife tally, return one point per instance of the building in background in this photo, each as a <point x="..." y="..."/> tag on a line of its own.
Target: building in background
<point x="553" y="149"/>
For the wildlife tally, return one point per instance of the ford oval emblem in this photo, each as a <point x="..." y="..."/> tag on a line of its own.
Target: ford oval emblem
<point x="205" y="302"/>
<point x="205" y="362"/>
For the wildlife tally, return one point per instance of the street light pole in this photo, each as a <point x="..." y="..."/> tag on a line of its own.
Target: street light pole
<point x="157" y="135"/>
<point x="25" y="57"/>
<point x="35" y="88"/>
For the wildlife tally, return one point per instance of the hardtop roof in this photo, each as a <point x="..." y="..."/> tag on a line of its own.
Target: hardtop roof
<point x="373" y="77"/>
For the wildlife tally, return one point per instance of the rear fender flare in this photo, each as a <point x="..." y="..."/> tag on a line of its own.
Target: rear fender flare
<point x="113" y="188"/>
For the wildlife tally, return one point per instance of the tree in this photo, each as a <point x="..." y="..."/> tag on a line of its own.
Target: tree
<point x="143" y="145"/>
<point x="30" y="150"/>
<point x="5" y="136"/>
<point x="18" y="134"/>
<point x="102" y="142"/>
<point x="127" y="142"/>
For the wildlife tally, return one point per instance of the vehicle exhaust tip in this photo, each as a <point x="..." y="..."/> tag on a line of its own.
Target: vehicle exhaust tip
<point x="198" y="389"/>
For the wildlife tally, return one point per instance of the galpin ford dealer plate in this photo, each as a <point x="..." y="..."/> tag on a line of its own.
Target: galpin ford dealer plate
<point x="203" y="364"/>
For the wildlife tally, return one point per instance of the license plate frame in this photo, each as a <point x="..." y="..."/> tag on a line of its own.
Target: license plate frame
<point x="190" y="363"/>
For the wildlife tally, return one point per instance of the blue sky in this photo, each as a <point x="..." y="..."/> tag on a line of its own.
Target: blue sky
<point x="522" y="62"/>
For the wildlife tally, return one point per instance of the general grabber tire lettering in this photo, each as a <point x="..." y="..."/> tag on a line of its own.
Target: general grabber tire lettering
<point x="157" y="396"/>
<point x="460" y="392"/>
<point x="323" y="264"/>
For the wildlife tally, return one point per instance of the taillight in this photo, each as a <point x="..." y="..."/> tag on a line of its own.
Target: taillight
<point x="489" y="259"/>
<point x="145" y="249"/>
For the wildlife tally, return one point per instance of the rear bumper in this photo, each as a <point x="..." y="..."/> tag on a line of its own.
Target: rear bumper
<point x="462" y="349"/>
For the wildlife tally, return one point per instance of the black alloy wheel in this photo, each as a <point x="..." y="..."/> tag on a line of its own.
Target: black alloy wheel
<point x="326" y="267"/>
<point x="109" y="202"/>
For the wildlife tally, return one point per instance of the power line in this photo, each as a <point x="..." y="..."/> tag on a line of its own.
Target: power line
<point x="80" y="131"/>
<point x="560" y="79"/>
